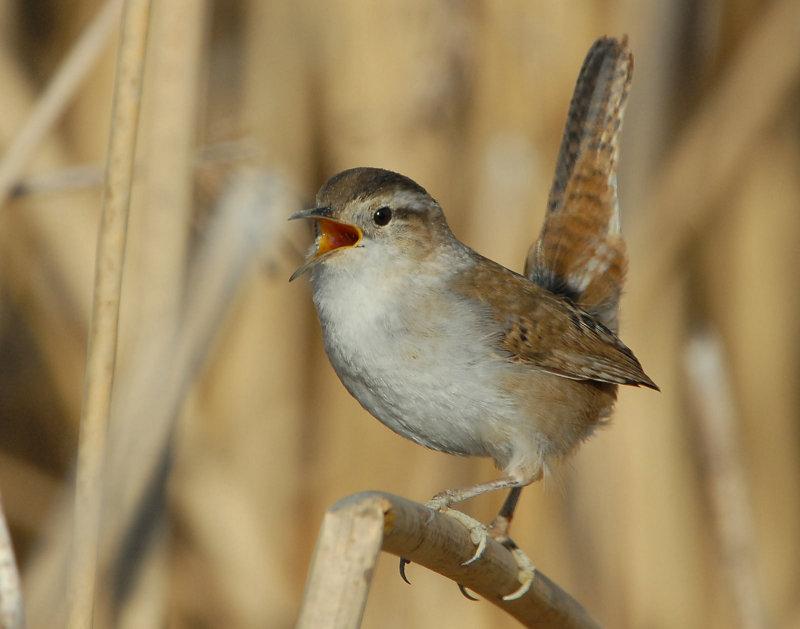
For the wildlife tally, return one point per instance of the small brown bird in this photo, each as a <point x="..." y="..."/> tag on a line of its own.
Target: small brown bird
<point x="460" y="354"/>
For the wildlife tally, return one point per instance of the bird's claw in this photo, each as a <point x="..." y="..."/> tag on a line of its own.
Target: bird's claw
<point x="466" y="594"/>
<point x="477" y="530"/>
<point x="479" y="534"/>
<point x="526" y="573"/>
<point x="403" y="563"/>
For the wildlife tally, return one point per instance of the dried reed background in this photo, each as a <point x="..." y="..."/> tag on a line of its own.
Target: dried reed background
<point x="230" y="434"/>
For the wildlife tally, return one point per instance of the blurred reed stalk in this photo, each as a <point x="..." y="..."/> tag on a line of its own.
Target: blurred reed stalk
<point x="12" y="610"/>
<point x="711" y="400"/>
<point x="691" y="185"/>
<point x="104" y="322"/>
<point x="63" y="86"/>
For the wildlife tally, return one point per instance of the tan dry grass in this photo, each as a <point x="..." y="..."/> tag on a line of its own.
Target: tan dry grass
<point x="469" y="99"/>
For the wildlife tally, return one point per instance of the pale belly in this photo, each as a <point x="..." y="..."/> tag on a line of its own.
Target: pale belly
<point x="433" y="375"/>
<point x="441" y="406"/>
<point x="418" y="373"/>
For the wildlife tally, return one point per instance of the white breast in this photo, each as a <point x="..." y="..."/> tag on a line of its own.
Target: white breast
<point x="414" y="356"/>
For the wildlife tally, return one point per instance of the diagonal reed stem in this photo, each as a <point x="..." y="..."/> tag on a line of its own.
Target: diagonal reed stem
<point x="64" y="85"/>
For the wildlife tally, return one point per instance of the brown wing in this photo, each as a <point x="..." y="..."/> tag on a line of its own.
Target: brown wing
<point x="537" y="327"/>
<point x="580" y="252"/>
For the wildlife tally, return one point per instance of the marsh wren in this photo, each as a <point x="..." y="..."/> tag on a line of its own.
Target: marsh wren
<point x="459" y="353"/>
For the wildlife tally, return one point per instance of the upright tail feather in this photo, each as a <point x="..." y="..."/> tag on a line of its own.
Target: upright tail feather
<point x="580" y="253"/>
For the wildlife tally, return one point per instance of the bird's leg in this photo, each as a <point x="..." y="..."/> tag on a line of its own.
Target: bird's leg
<point x="445" y="499"/>
<point x="477" y="531"/>
<point x="498" y="531"/>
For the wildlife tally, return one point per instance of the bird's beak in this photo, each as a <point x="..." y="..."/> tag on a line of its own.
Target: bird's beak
<point x="332" y="235"/>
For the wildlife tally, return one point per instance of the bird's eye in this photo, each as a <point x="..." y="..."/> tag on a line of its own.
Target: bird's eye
<point x="382" y="216"/>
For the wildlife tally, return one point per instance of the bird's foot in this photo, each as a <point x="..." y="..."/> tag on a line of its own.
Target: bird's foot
<point x="498" y="531"/>
<point x="477" y="530"/>
<point x="526" y="571"/>
<point x="477" y="533"/>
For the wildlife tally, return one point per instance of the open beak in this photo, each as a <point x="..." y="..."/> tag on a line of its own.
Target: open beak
<point x="332" y="235"/>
